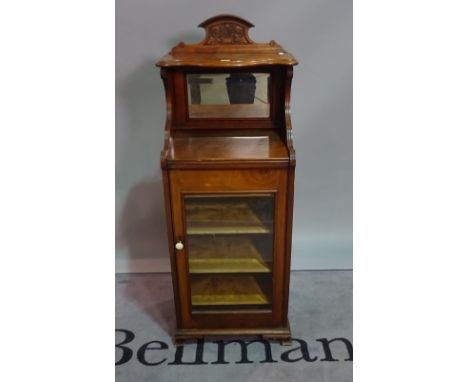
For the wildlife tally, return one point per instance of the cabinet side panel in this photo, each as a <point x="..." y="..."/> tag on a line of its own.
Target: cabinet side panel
<point x="288" y="240"/>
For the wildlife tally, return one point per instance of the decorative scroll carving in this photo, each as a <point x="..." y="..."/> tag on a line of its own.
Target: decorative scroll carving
<point x="227" y="43"/>
<point x="287" y="116"/>
<point x="226" y="30"/>
<point x="227" y="33"/>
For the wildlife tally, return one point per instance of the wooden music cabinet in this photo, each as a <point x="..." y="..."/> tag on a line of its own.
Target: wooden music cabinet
<point x="228" y="171"/>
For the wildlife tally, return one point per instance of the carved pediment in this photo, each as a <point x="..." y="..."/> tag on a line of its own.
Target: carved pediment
<point x="226" y="30"/>
<point x="226" y="44"/>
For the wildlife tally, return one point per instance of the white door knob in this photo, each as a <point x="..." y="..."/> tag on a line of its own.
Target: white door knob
<point x="179" y="245"/>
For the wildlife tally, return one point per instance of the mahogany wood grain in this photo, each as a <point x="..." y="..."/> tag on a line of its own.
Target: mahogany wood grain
<point x="227" y="44"/>
<point x="230" y="111"/>
<point x="180" y="109"/>
<point x="216" y="153"/>
<point x="213" y="146"/>
<point x="206" y="182"/>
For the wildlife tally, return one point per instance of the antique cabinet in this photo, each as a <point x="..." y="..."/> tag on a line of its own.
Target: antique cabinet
<point x="228" y="171"/>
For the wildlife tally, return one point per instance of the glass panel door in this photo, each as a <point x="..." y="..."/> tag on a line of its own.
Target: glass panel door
<point x="230" y="251"/>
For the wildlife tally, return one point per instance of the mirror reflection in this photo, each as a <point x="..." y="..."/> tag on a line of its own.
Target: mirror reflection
<point x="229" y="95"/>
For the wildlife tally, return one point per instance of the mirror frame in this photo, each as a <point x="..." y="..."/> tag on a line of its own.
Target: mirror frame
<point x="180" y="111"/>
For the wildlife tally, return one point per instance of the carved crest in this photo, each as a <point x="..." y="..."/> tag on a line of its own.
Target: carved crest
<point x="226" y="43"/>
<point x="226" y="30"/>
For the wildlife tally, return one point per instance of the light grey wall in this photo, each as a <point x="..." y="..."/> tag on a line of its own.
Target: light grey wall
<point x="319" y="34"/>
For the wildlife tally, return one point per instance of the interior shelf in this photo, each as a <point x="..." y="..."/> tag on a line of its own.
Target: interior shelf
<point x="223" y="218"/>
<point x="225" y="254"/>
<point x="230" y="290"/>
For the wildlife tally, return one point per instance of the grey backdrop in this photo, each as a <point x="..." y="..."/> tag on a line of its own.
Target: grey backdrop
<point x="319" y="34"/>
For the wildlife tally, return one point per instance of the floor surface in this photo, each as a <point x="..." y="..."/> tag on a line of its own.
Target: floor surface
<point x="320" y="314"/>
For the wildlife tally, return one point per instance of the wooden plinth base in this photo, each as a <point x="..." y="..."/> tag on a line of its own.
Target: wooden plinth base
<point x="283" y="335"/>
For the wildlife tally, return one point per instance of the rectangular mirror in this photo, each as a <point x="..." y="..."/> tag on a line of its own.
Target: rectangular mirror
<point x="228" y="95"/>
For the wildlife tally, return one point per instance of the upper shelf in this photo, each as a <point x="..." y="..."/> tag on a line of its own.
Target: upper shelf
<point x="227" y="44"/>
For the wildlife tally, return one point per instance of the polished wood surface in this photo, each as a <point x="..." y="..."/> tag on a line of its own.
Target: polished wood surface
<point x="227" y="182"/>
<point x="231" y="275"/>
<point x="227" y="44"/>
<point x="180" y="116"/>
<point x="230" y="111"/>
<point x="265" y="145"/>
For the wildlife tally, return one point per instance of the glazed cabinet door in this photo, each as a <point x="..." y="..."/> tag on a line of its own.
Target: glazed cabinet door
<point x="229" y="246"/>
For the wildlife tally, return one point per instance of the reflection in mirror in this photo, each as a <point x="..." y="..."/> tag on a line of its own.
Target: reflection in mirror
<point x="224" y="95"/>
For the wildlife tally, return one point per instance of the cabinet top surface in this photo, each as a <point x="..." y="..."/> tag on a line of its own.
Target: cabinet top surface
<point x="259" y="144"/>
<point x="227" y="44"/>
